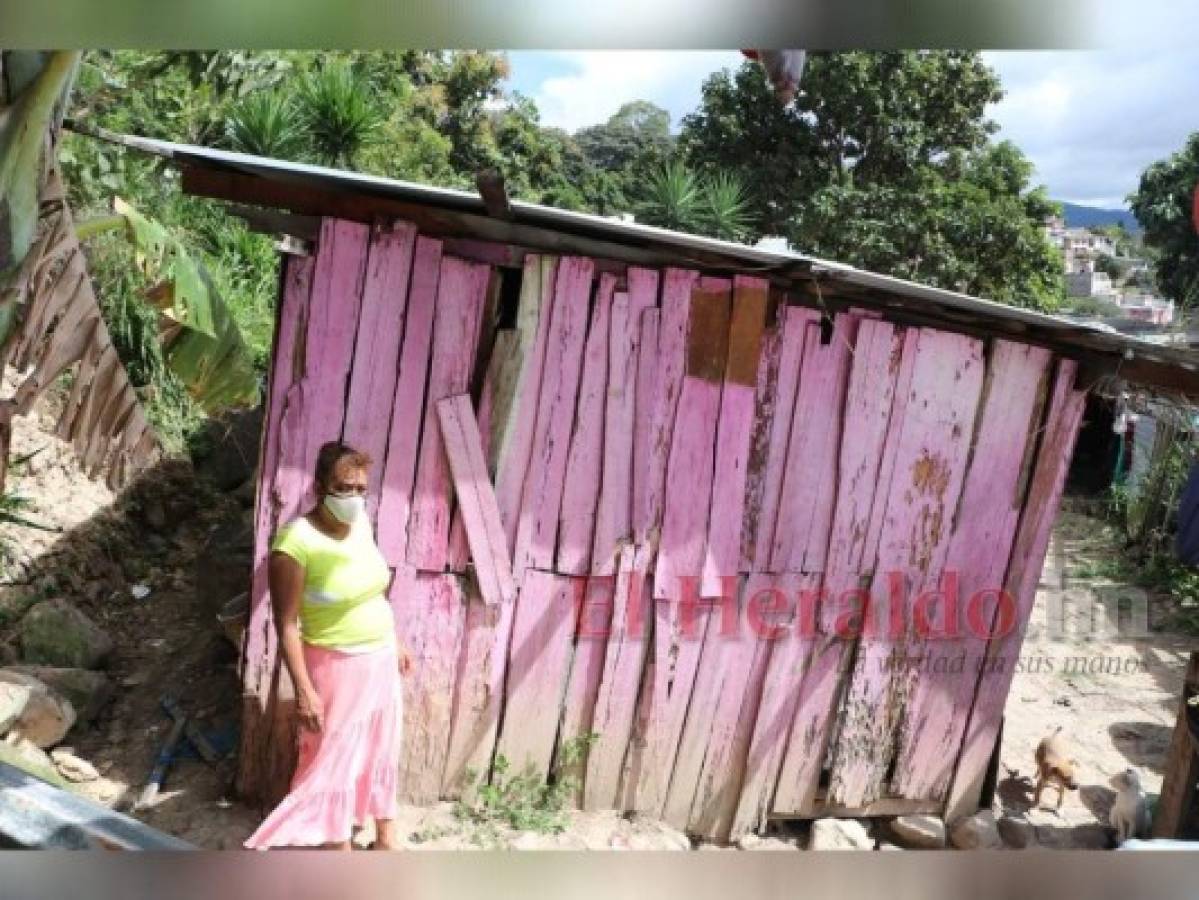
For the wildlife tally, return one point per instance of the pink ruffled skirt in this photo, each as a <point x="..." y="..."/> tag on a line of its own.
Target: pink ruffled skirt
<point x="348" y="771"/>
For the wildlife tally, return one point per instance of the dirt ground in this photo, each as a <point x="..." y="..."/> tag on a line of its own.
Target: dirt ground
<point x="1114" y="695"/>
<point x="1114" y="692"/>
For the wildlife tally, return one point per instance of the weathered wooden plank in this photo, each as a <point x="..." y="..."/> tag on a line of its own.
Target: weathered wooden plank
<point x="517" y="389"/>
<point x="429" y="614"/>
<point x="879" y="382"/>
<point x="766" y="603"/>
<point x="697" y="715"/>
<point x="614" y="512"/>
<point x="259" y="649"/>
<point x="647" y="502"/>
<point x="722" y="555"/>
<point x="649" y="475"/>
<point x="476" y="499"/>
<point x="580" y="494"/>
<point x="692" y="445"/>
<point x="541" y="499"/>
<point x="793" y="330"/>
<point x="680" y="623"/>
<point x="806" y="499"/>
<point x="479" y="692"/>
<point x="1028" y="556"/>
<point x="771" y="724"/>
<point x="616" y="699"/>
<point x="503" y="345"/>
<point x="377" y="348"/>
<point x="332" y="325"/>
<point x="984" y="528"/>
<point x="930" y="463"/>
<point x="1181" y="771"/>
<point x="399" y="469"/>
<point x="597" y="603"/>
<point x="538" y="664"/>
<point x="480" y="689"/>
<point x="765" y="396"/>
<point x="461" y="291"/>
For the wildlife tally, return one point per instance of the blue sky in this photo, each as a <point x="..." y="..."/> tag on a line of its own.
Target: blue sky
<point x="1089" y="120"/>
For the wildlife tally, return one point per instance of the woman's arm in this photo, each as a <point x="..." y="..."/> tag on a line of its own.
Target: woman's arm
<point x="285" y="577"/>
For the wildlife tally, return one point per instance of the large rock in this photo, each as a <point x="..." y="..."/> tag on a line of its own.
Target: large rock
<point x="14" y="698"/>
<point x="28" y="757"/>
<point x="55" y="633"/>
<point x="46" y="717"/>
<point x="976" y="832"/>
<point x="88" y="691"/>
<point x="840" y="834"/>
<point x="919" y="832"/>
<point x="72" y="767"/>
<point x="1018" y="833"/>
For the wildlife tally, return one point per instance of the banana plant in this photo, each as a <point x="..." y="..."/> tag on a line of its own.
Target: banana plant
<point x="201" y="342"/>
<point x="33" y="91"/>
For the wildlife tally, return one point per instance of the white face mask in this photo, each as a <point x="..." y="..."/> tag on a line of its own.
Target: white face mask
<point x="345" y="509"/>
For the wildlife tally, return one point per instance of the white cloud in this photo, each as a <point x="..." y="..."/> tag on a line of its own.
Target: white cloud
<point x="1092" y="121"/>
<point x="603" y="80"/>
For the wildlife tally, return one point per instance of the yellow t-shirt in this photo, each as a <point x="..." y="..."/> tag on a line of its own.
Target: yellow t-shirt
<point x="343" y="606"/>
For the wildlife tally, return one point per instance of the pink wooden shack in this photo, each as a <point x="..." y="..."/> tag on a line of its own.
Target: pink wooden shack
<point x="717" y="506"/>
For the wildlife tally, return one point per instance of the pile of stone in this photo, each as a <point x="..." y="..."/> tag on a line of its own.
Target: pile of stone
<point x="56" y="686"/>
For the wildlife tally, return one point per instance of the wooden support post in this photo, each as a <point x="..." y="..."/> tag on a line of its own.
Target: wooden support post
<point x="1182" y="764"/>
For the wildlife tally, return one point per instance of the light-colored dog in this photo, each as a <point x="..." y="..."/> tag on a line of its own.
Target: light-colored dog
<point x="1130" y="812"/>
<point x="1054" y="766"/>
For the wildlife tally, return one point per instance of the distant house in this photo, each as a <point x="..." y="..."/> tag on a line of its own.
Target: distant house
<point x="1090" y="283"/>
<point x="1154" y="310"/>
<point x="1080" y="247"/>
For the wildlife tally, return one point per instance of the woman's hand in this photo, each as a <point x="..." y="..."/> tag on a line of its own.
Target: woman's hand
<point x="310" y="711"/>
<point x="405" y="661"/>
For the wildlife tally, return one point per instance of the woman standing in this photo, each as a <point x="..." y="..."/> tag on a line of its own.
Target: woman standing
<point x="328" y="584"/>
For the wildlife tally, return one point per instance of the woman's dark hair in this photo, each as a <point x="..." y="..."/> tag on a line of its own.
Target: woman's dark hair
<point x="334" y="452"/>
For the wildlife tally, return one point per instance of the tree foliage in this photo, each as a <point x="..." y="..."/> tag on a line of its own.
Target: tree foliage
<point x="1162" y="204"/>
<point x="884" y="161"/>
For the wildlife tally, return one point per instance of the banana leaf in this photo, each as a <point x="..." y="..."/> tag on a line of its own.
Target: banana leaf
<point x="200" y="340"/>
<point x="24" y="129"/>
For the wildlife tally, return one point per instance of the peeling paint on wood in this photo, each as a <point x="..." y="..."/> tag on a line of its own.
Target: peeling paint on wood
<point x="984" y="528"/>
<point x="541" y="500"/>
<point x="399" y="470"/>
<point x="581" y="491"/>
<point x="930" y="462"/>
<point x="1024" y="571"/>
<point x="538" y="666"/>
<point x="722" y="555"/>
<point x="377" y="349"/>
<point x="461" y="290"/>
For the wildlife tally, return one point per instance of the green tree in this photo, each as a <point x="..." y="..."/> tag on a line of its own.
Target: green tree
<point x="623" y="155"/>
<point x="339" y="113"/>
<point x="1162" y="204"/>
<point x="884" y="160"/>
<point x="265" y="124"/>
<point x="675" y="198"/>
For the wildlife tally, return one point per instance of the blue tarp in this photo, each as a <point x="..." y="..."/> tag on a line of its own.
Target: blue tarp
<point x="1187" y="542"/>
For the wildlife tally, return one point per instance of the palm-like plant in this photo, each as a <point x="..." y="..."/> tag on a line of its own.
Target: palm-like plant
<point x="674" y="198"/>
<point x="725" y="210"/>
<point x="338" y="114"/>
<point x="266" y="124"/>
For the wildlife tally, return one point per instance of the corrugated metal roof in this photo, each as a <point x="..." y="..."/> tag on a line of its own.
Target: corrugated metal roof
<point x="921" y="298"/>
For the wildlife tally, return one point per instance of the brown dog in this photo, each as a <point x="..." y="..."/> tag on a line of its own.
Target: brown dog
<point x="1054" y="765"/>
